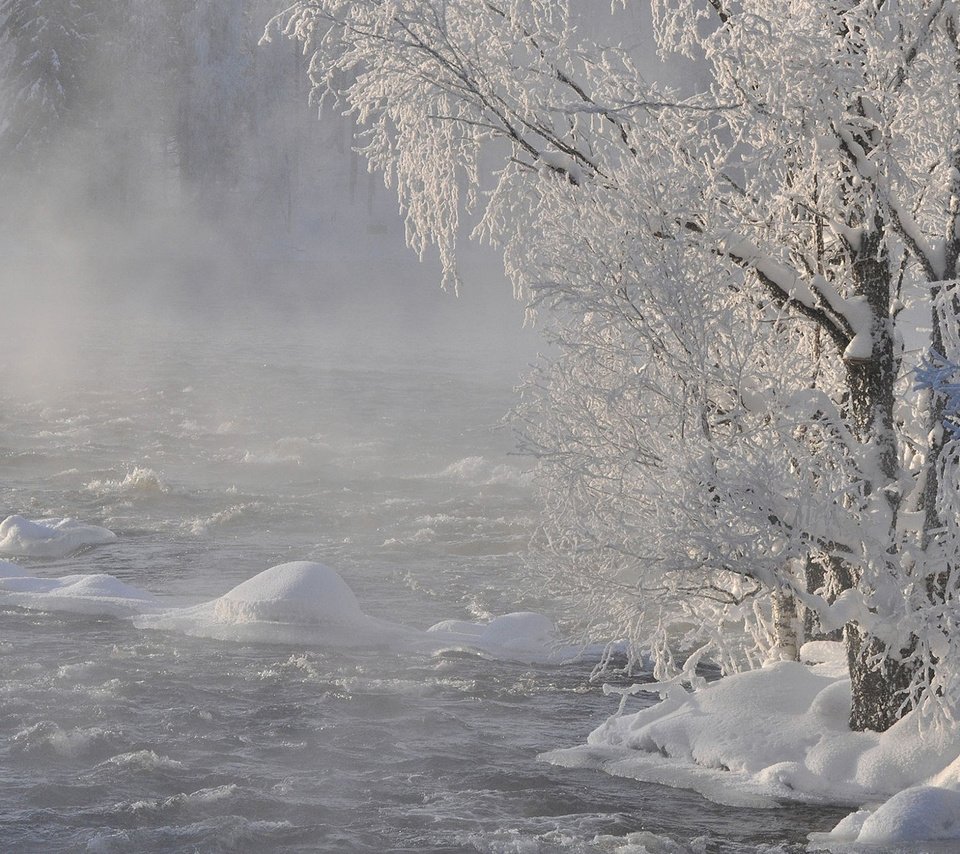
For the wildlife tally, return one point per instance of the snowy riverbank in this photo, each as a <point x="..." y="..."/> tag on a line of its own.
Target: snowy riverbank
<point x="779" y="734"/>
<point x="753" y="740"/>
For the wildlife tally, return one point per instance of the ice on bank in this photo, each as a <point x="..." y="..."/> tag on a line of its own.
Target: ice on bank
<point x="778" y="734"/>
<point x="20" y="537"/>
<point x="917" y="814"/>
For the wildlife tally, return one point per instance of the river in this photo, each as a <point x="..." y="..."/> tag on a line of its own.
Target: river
<point x="216" y="454"/>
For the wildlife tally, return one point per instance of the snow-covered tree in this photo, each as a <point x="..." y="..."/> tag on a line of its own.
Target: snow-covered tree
<point x="728" y="269"/>
<point x="45" y="49"/>
<point x="211" y="111"/>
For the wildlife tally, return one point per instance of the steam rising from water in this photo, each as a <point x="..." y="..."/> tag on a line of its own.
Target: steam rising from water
<point x="228" y="358"/>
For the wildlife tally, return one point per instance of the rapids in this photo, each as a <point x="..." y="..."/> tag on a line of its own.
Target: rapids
<point x="217" y="456"/>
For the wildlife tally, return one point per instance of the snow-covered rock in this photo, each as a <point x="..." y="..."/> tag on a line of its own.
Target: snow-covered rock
<point x="49" y="537"/>
<point x="917" y="814"/>
<point x="523" y="636"/>
<point x="297" y="602"/>
<point x="92" y="594"/>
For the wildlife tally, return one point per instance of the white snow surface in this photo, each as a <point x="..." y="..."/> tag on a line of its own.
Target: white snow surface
<point x="759" y="738"/>
<point x="20" y="537"/>
<point x="97" y="595"/>
<point x="307" y="602"/>
<point x="8" y="569"/>
<point x="296" y="602"/>
<point x="291" y="603"/>
<point x="523" y="636"/>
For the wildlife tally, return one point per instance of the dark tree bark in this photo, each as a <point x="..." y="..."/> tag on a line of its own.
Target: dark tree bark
<point x="879" y="678"/>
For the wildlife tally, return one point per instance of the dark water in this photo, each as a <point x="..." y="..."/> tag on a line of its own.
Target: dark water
<point x="215" y="457"/>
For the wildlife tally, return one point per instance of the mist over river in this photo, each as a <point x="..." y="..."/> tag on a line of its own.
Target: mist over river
<point x="220" y="447"/>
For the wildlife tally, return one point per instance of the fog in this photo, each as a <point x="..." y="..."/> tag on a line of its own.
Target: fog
<point x="181" y="177"/>
<point x="228" y="388"/>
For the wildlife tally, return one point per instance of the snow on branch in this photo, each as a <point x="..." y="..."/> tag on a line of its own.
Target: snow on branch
<point x="848" y="320"/>
<point x="941" y="376"/>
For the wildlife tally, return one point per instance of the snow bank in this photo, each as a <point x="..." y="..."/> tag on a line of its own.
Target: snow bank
<point x="97" y="595"/>
<point x="297" y="602"/>
<point x="767" y="736"/>
<point x="49" y="537"/>
<point x="917" y="814"/>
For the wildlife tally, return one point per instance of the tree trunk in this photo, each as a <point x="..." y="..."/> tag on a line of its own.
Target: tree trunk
<point x="827" y="576"/>
<point x="785" y="627"/>
<point x="878" y="681"/>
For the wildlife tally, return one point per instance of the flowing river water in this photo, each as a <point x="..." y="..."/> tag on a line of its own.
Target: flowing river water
<point x="214" y="457"/>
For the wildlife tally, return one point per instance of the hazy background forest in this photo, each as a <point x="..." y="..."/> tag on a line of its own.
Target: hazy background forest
<point x="164" y="158"/>
<point x="277" y="576"/>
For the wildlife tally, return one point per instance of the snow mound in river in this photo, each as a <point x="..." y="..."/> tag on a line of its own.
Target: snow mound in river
<point x="522" y="636"/>
<point x="95" y="595"/>
<point x="297" y="602"/>
<point x="917" y="814"/>
<point x="756" y="739"/>
<point x="49" y="537"/>
<point x="308" y="603"/>
<point x="297" y="592"/>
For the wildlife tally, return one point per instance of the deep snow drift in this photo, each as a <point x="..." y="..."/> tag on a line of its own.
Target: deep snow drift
<point x="780" y="733"/>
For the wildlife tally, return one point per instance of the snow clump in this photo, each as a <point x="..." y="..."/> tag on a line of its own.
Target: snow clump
<point x="523" y="636"/>
<point x="97" y="595"/>
<point x="49" y="537"/>
<point x="296" y="602"/>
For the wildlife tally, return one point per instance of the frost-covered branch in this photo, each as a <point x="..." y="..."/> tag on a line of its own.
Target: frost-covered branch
<point x="689" y="253"/>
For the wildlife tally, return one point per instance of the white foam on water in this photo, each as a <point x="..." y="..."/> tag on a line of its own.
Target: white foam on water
<point x="141" y="760"/>
<point x="50" y="738"/>
<point x="142" y="481"/>
<point x="510" y="841"/>
<point x="478" y="471"/>
<point x="203" y="525"/>
<point x="199" y="799"/>
<point x="231" y="832"/>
